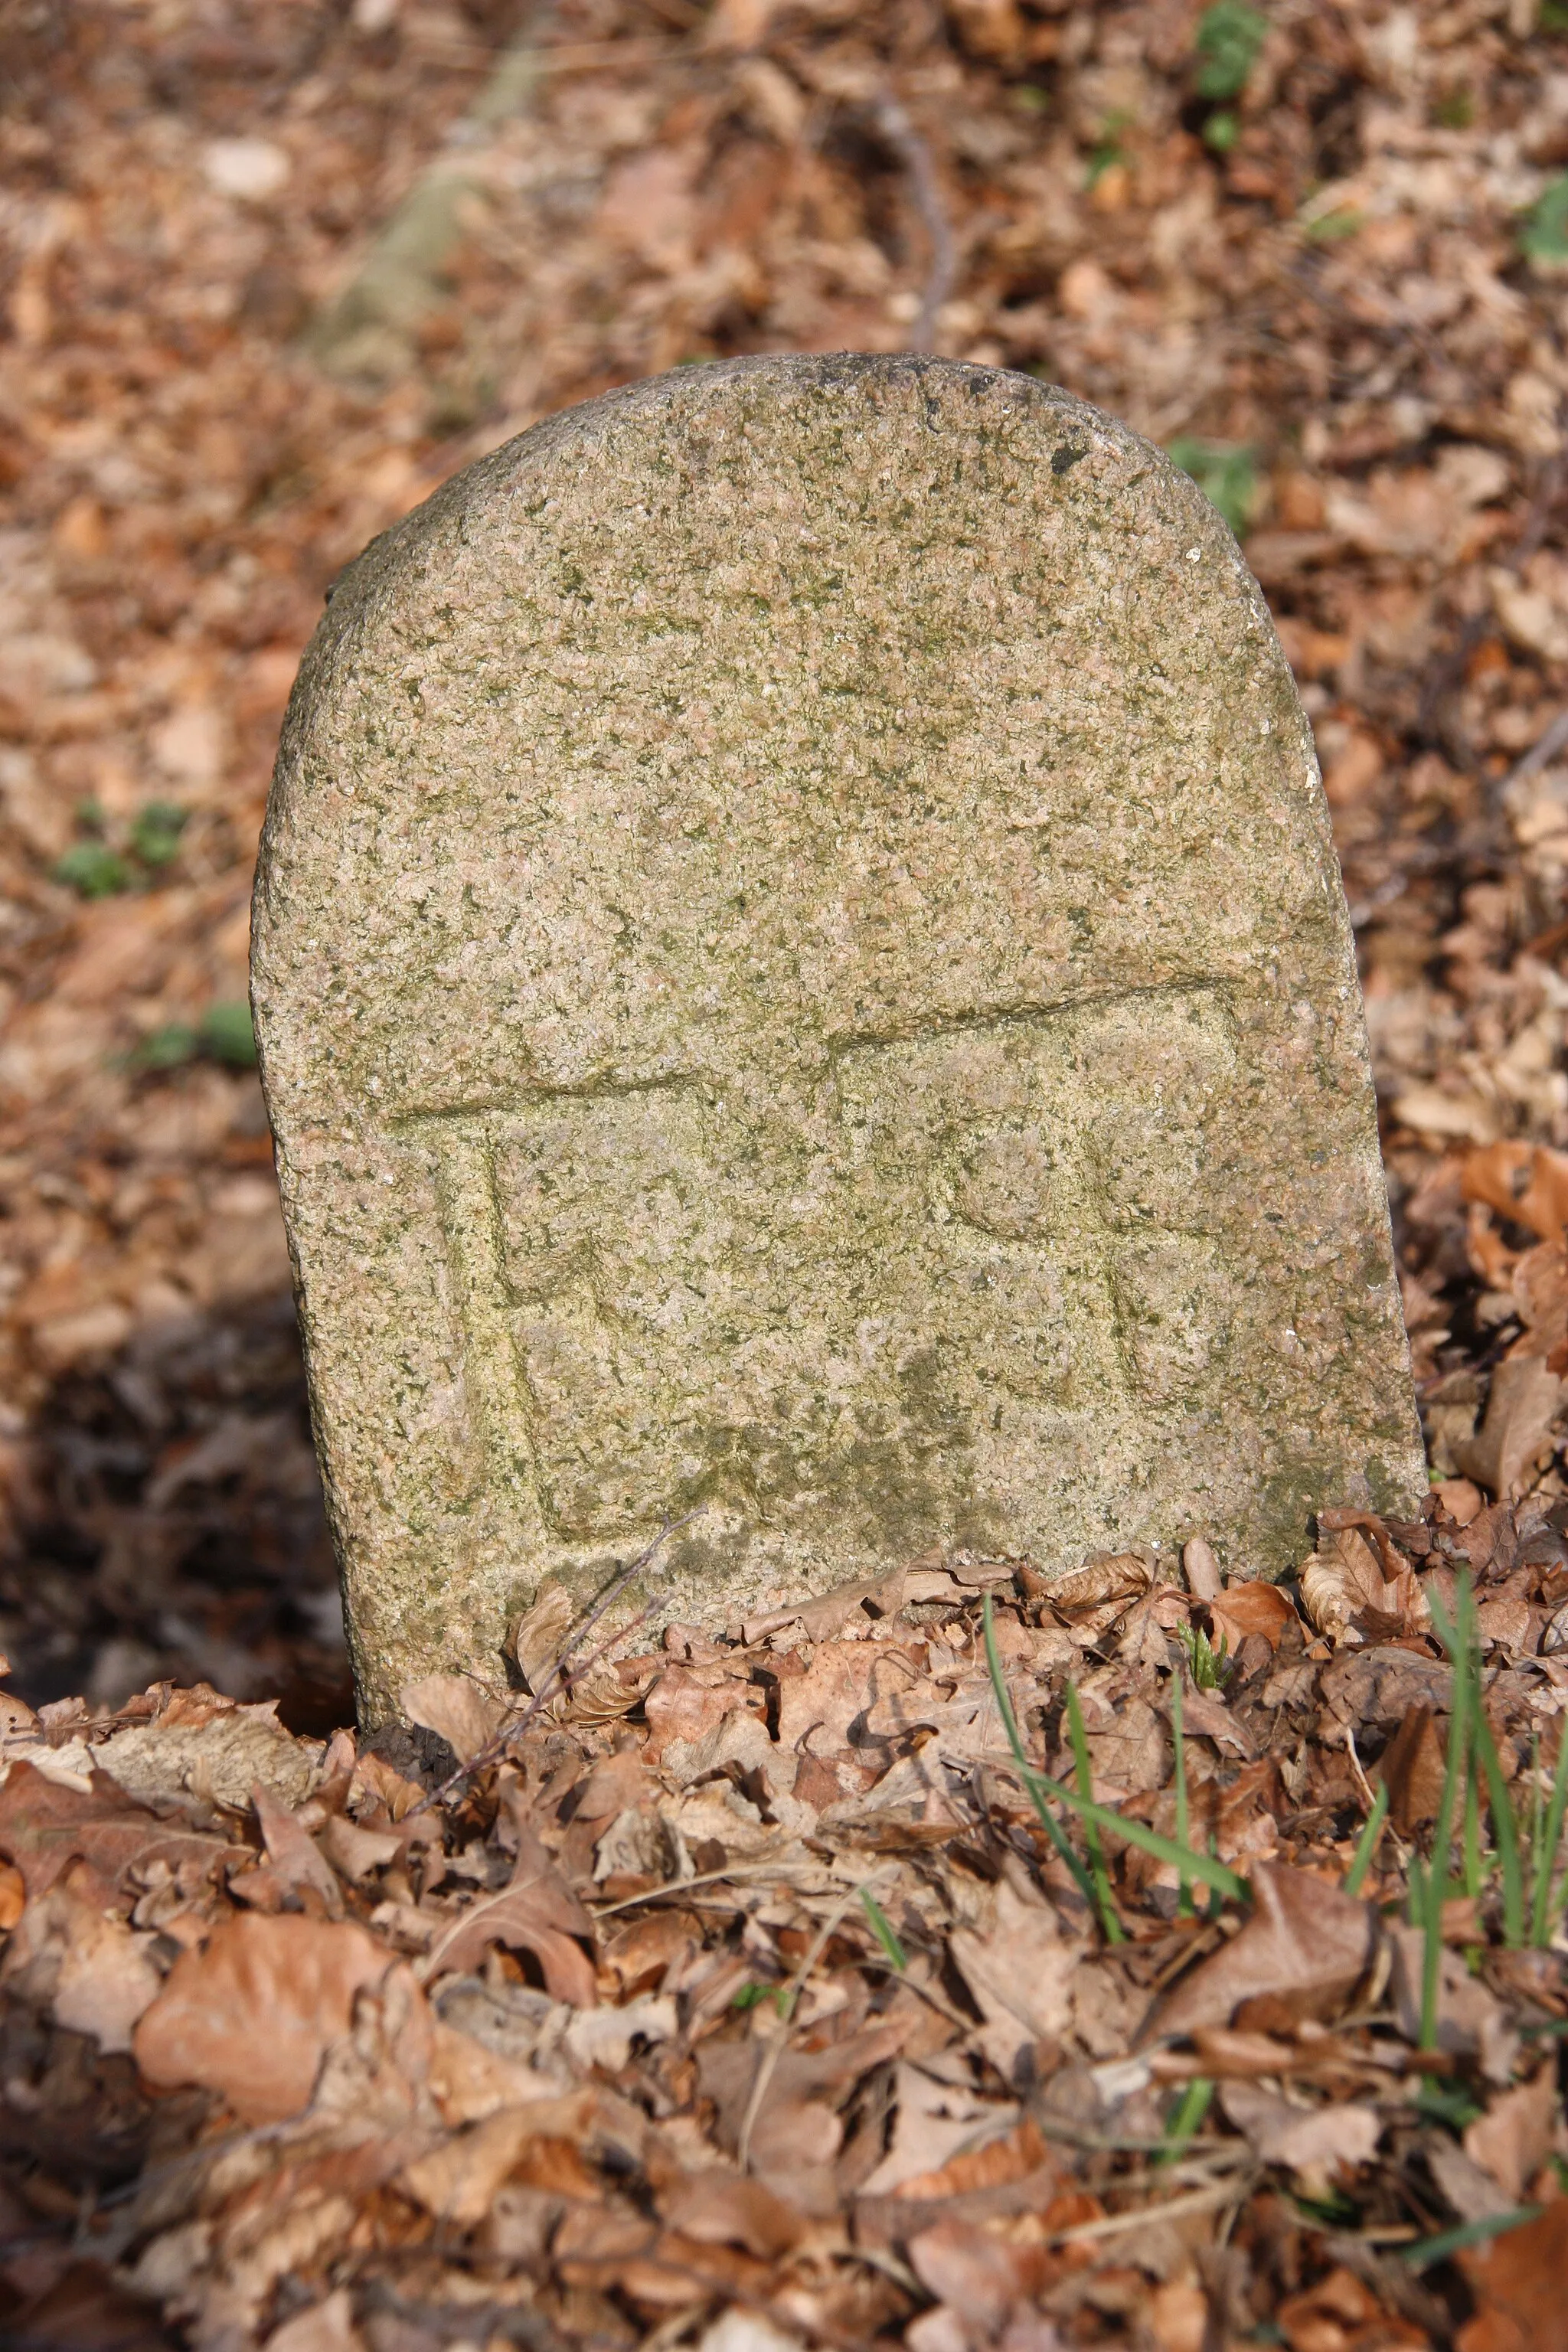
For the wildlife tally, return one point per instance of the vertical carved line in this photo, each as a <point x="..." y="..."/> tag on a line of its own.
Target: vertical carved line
<point x="476" y="1260"/>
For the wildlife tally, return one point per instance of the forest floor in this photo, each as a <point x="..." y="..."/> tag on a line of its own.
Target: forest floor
<point x="752" y="1991"/>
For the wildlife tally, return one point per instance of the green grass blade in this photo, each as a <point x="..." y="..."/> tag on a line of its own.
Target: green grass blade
<point x="1097" y="1870"/>
<point x="1505" y="1828"/>
<point x="1192" y="2107"/>
<point x="1427" y="2250"/>
<point x="882" y="1928"/>
<point x="1049" y="1821"/>
<point x="1540" y="1918"/>
<point x="1366" y="1844"/>
<point x="1204" y="1868"/>
<point x="1184" y="1891"/>
<point x="1436" y="1876"/>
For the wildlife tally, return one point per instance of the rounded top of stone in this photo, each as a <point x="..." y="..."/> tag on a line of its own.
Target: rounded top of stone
<point x="763" y="706"/>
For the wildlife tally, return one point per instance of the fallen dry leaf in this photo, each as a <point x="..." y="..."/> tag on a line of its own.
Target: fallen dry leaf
<point x="1517" y="2283"/>
<point x="457" y="2182"/>
<point x="250" y="2015"/>
<point x="1306" y="1947"/>
<point x="44" y="1828"/>
<point x="1241" y="1610"/>
<point x="92" y="1972"/>
<point x="456" y="1709"/>
<point x="1317" y="2140"/>
<point x="538" y="1913"/>
<point x="1019" y="1970"/>
<point x="1521" y="1414"/>
<point x="1514" y="2139"/>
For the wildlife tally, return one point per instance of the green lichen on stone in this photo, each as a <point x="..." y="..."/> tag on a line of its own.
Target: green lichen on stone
<point x="800" y="978"/>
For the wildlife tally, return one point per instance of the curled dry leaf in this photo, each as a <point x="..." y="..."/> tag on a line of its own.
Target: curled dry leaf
<point x="457" y="1710"/>
<point x="1344" y="1579"/>
<point x="1514" y="2139"/>
<point x="538" y="1913"/>
<point x="1105" y="1576"/>
<point x="981" y="2276"/>
<point x="537" y="1639"/>
<point x="1242" y="1610"/>
<point x="458" y="2181"/>
<point x="1020" y="1973"/>
<point x="295" y="1871"/>
<point x="94" y="1975"/>
<point x="1204" y="1581"/>
<point x="250" y="2015"/>
<point x="44" y="1828"/>
<point x="1521" y="1413"/>
<point x="1523" y="1181"/>
<point x="1306" y="1947"/>
<point x="1413" y="1768"/>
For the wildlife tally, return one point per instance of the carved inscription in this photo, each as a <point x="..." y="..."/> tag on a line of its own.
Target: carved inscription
<point x="782" y="1295"/>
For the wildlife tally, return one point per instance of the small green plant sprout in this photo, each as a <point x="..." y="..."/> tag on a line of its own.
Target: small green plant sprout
<point x="1043" y="1792"/>
<point x="1210" y="1669"/>
<point x="1328" y="227"/>
<point x="155" y="834"/>
<point x="93" y="870"/>
<point x="1544" y="232"/>
<point x="1226" y="476"/>
<point x="752" y="1996"/>
<point x="1185" y="2117"/>
<point x="1108" y="150"/>
<point x="1222" y="131"/>
<point x="1229" y="38"/>
<point x="882" y="1928"/>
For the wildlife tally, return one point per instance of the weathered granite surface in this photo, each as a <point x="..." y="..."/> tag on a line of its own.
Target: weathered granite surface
<point x="800" y="969"/>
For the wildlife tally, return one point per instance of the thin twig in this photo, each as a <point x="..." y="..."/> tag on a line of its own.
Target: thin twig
<point x="494" y="1748"/>
<point x="941" y="266"/>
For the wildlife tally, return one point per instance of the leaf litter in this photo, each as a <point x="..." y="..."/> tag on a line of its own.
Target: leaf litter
<point x="793" y="2004"/>
<point x="756" y="1991"/>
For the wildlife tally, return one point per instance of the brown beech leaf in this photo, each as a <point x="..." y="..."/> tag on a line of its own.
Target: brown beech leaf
<point x="250" y="2015"/>
<point x="1517" y="2282"/>
<point x="537" y="1639"/>
<point x="726" y="2209"/>
<point x="1306" y="1946"/>
<point x="538" y="1913"/>
<point x="1308" y="2139"/>
<point x="43" y="1827"/>
<point x="1413" y="1769"/>
<point x="70" y="1952"/>
<point x="456" y="1709"/>
<point x="1251" y="1608"/>
<point x="981" y="2277"/>
<point x="1521" y="1413"/>
<point x="296" y="1869"/>
<point x="1019" y="1970"/>
<point x="1514" y="2139"/>
<point x="1103" y="1576"/>
<point x="1527" y="1182"/>
<point x="458" y="2181"/>
<point x="1207" y="1714"/>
